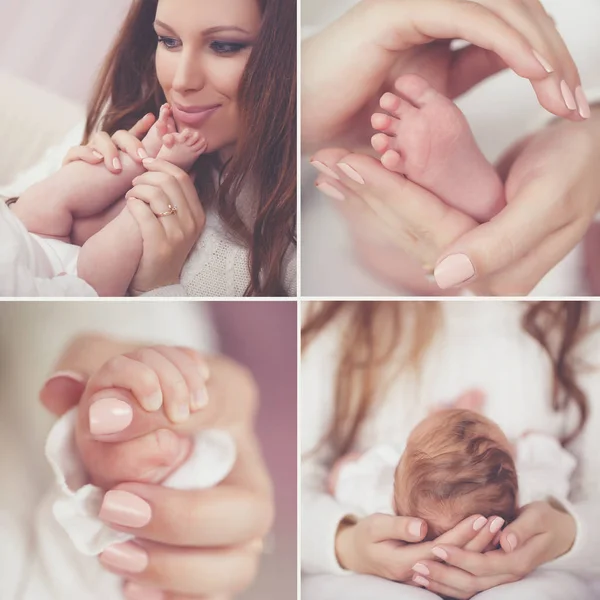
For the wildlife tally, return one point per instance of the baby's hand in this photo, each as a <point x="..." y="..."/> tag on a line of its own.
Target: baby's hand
<point x="159" y="376"/>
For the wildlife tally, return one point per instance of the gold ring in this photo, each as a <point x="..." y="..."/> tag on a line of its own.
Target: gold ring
<point x="172" y="209"/>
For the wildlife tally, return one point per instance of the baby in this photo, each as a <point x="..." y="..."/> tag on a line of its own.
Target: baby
<point x="39" y="227"/>
<point x="456" y="463"/>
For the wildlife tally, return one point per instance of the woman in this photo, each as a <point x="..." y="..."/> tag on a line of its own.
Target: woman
<point x="240" y="57"/>
<point x="372" y="370"/>
<point x="50" y="567"/>
<point x="389" y="218"/>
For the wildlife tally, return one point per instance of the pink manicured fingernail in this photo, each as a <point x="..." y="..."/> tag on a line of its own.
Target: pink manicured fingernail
<point x="547" y="66"/>
<point x="180" y="413"/>
<point x="205" y="371"/>
<point x="351" y="172"/>
<point x="330" y="191"/>
<point x="78" y="377"/>
<point x="568" y="96"/>
<point x="135" y="591"/>
<point x="147" y="161"/>
<point x="200" y="399"/>
<point x="454" y="270"/>
<point x="142" y="153"/>
<point x="479" y="523"/>
<point x="420" y="580"/>
<point x="125" y="557"/>
<point x="97" y="154"/>
<point x="420" y="568"/>
<point x="126" y="509"/>
<point x="511" y="539"/>
<point x="442" y="554"/>
<point x="324" y="169"/>
<point x="496" y="525"/>
<point x="415" y="528"/>
<point x="109" y="415"/>
<point x="117" y="164"/>
<point x="582" y="103"/>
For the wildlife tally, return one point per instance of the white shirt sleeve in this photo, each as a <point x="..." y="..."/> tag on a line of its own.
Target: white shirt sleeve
<point x="321" y="514"/>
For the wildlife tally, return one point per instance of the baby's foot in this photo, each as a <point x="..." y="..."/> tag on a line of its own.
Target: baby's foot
<point x="153" y="141"/>
<point x="182" y="149"/>
<point x="427" y="138"/>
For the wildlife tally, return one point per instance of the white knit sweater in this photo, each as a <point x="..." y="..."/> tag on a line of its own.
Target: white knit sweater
<point x="481" y="345"/>
<point x="217" y="264"/>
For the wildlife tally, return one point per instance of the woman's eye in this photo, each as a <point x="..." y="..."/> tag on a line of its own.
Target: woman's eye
<point x="227" y="47"/>
<point x="167" y="42"/>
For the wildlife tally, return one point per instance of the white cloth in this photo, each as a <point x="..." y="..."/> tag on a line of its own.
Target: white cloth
<point x="480" y="346"/>
<point x="78" y="503"/>
<point x="31" y="265"/>
<point x="217" y="264"/>
<point x="500" y="111"/>
<point x="38" y="560"/>
<point x="540" y="585"/>
<point x="366" y="485"/>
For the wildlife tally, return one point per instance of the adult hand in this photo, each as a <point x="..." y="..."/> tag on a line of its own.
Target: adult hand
<point x="378" y="40"/>
<point x="552" y="191"/>
<point x="168" y="239"/>
<point x="192" y="544"/>
<point x="541" y="533"/>
<point x="386" y="546"/>
<point x="103" y="147"/>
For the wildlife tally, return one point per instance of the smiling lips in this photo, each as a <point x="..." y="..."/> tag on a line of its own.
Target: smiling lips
<point x="194" y="115"/>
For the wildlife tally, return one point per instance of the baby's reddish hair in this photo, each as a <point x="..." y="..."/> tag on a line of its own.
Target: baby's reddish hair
<point x="457" y="463"/>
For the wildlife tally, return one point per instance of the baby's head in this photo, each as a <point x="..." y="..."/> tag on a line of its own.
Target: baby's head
<point x="457" y="463"/>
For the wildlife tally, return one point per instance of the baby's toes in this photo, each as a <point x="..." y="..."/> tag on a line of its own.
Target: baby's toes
<point x="396" y="106"/>
<point x="384" y="123"/>
<point x="381" y="142"/>
<point x="393" y="161"/>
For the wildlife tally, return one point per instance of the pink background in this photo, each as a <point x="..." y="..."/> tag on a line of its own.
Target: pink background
<point x="59" y="44"/>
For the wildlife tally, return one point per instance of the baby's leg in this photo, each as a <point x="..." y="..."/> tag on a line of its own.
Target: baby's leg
<point x="80" y="190"/>
<point x="542" y="585"/>
<point x="109" y="259"/>
<point x="427" y="138"/>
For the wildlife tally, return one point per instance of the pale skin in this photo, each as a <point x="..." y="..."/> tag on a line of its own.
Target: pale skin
<point x="403" y="232"/>
<point x="178" y="553"/>
<point x="202" y="51"/>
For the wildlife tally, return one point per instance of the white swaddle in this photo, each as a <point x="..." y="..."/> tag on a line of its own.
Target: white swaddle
<point x="34" y="266"/>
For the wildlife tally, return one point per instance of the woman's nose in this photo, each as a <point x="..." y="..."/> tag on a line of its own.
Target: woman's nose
<point x="189" y="75"/>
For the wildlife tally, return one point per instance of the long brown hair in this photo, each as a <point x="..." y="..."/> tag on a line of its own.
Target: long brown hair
<point x="264" y="159"/>
<point x="372" y="336"/>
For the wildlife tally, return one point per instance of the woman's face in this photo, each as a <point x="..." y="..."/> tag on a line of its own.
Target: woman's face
<point x="203" y="48"/>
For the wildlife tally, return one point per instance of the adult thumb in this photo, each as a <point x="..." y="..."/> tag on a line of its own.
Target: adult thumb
<point x="62" y="391"/>
<point x="493" y="246"/>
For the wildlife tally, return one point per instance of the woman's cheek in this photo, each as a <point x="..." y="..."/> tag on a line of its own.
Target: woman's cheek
<point x="165" y="69"/>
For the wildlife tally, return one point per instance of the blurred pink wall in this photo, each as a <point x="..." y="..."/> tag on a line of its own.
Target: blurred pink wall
<point x="59" y="44"/>
<point x="262" y="335"/>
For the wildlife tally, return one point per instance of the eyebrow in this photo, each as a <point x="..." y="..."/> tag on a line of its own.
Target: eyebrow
<point x="208" y="31"/>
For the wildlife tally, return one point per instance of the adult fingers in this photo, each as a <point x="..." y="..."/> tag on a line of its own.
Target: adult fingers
<point x="453" y="582"/>
<point x="102" y="143"/>
<point x="528" y="524"/>
<point x="387" y="527"/>
<point x="536" y="27"/>
<point x="185" y="570"/>
<point x="130" y="145"/>
<point x="221" y="516"/>
<point x="84" y="153"/>
<point x="492" y="246"/>
<point x="464" y="532"/>
<point x="486" y="536"/>
<point x="175" y="195"/>
<point x="141" y="128"/>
